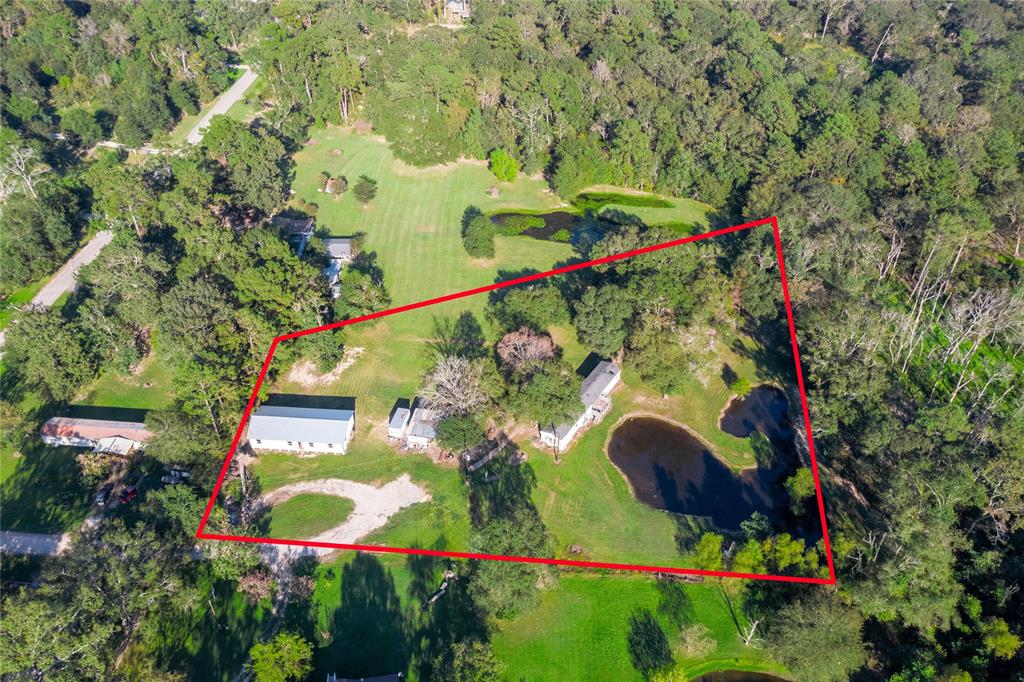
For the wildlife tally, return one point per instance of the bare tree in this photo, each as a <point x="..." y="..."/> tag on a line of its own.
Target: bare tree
<point x="21" y="164"/>
<point x="454" y="386"/>
<point x="524" y="348"/>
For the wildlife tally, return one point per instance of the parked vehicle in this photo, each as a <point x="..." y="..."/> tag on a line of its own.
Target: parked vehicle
<point x="103" y="496"/>
<point x="175" y="475"/>
<point x="128" y="494"/>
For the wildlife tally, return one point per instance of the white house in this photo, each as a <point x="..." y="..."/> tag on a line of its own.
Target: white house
<point x="301" y="429"/>
<point x="398" y="422"/>
<point x="594" y="396"/>
<point x="422" y="429"/>
<point x="339" y="250"/>
<point x="102" y="435"/>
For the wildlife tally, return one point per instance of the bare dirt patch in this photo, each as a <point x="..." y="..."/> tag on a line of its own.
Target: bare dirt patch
<point x="304" y="372"/>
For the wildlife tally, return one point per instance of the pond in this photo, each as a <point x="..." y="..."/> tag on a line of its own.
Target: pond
<point x="764" y="410"/>
<point x="739" y="676"/>
<point x="545" y="226"/>
<point x="671" y="469"/>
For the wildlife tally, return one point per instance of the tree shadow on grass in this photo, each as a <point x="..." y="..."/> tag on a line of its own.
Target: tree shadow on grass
<point x="452" y="618"/>
<point x="212" y="644"/>
<point x="647" y="643"/>
<point x="370" y="631"/>
<point x="46" y="492"/>
<point x="674" y="602"/>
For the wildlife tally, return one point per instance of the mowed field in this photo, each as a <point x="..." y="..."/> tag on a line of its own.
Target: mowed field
<point x="413" y="226"/>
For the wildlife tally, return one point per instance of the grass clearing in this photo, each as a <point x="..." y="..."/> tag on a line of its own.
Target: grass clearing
<point x="308" y="514"/>
<point x="42" y="489"/>
<point x="582" y="627"/>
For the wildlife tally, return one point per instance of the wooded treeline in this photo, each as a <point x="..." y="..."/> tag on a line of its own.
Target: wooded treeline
<point x="887" y="138"/>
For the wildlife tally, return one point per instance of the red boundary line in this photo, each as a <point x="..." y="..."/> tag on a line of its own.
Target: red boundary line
<point x="773" y="221"/>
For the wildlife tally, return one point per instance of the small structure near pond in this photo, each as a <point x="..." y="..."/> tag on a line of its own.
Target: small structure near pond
<point x="594" y="396"/>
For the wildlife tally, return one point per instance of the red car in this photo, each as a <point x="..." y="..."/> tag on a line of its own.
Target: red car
<point x="128" y="494"/>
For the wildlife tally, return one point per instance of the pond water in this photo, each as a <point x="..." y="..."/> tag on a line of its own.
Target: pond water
<point x="739" y="676"/>
<point x="764" y="409"/>
<point x="671" y="469"/>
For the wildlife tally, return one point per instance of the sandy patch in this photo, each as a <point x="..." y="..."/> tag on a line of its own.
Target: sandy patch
<point x="304" y="372"/>
<point x="373" y="508"/>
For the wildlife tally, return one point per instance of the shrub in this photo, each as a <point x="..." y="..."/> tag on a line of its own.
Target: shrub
<point x="562" y="235"/>
<point x="517" y="224"/>
<point x="365" y="190"/>
<point x="478" y="237"/>
<point x="740" y="387"/>
<point x="503" y="165"/>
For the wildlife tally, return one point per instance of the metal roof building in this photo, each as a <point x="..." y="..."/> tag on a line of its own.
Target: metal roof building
<point x="301" y="429"/>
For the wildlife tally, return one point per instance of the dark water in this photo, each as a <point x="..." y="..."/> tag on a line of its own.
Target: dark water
<point x="739" y="676"/>
<point x="553" y="222"/>
<point x="765" y="410"/>
<point x="672" y="470"/>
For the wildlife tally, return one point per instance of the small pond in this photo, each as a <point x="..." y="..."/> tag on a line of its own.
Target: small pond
<point x="671" y="469"/>
<point x="582" y="227"/>
<point x="739" y="676"/>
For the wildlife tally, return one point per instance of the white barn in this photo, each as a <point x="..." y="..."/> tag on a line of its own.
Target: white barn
<point x="594" y="396"/>
<point x="301" y="429"/>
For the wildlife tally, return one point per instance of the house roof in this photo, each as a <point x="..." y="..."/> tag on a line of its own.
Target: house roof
<point x="424" y="423"/>
<point x="94" y="429"/>
<point x="399" y="418"/>
<point x="315" y="425"/>
<point x="338" y="247"/>
<point x="597" y="381"/>
<point x="593" y="387"/>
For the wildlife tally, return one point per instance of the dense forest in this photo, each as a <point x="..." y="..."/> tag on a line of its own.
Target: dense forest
<point x="887" y="138"/>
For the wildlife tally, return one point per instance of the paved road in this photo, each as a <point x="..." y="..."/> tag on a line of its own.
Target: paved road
<point x="223" y="103"/>
<point x="65" y="279"/>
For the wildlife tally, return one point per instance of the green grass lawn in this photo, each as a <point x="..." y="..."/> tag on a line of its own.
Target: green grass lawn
<point x="308" y="514"/>
<point x="580" y="630"/>
<point x="148" y="389"/>
<point x="41" y="489"/>
<point x="18" y="297"/>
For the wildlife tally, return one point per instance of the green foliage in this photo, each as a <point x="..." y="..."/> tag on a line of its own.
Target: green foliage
<point x="517" y="224"/>
<point x="579" y="163"/>
<point x="508" y="588"/>
<point x="549" y="396"/>
<point x="537" y="306"/>
<point x="478" y="237"/>
<point x="459" y="432"/>
<point x="258" y="169"/>
<point x="365" y="190"/>
<point x="503" y="166"/>
<point x="741" y="387"/>
<point x="800" y="488"/>
<point x="38" y="235"/>
<point x="708" y="554"/>
<point x="999" y="641"/>
<point x="471" y="661"/>
<point x="595" y="201"/>
<point x="81" y="124"/>
<point x="819" y="639"/>
<point x="286" y="657"/>
<point x="601" y="317"/>
<point x="562" y="235"/>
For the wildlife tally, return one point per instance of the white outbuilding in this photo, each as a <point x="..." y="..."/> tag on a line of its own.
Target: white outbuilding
<point x="301" y="429"/>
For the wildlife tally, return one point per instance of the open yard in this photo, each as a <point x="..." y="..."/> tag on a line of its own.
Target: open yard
<point x="583" y="625"/>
